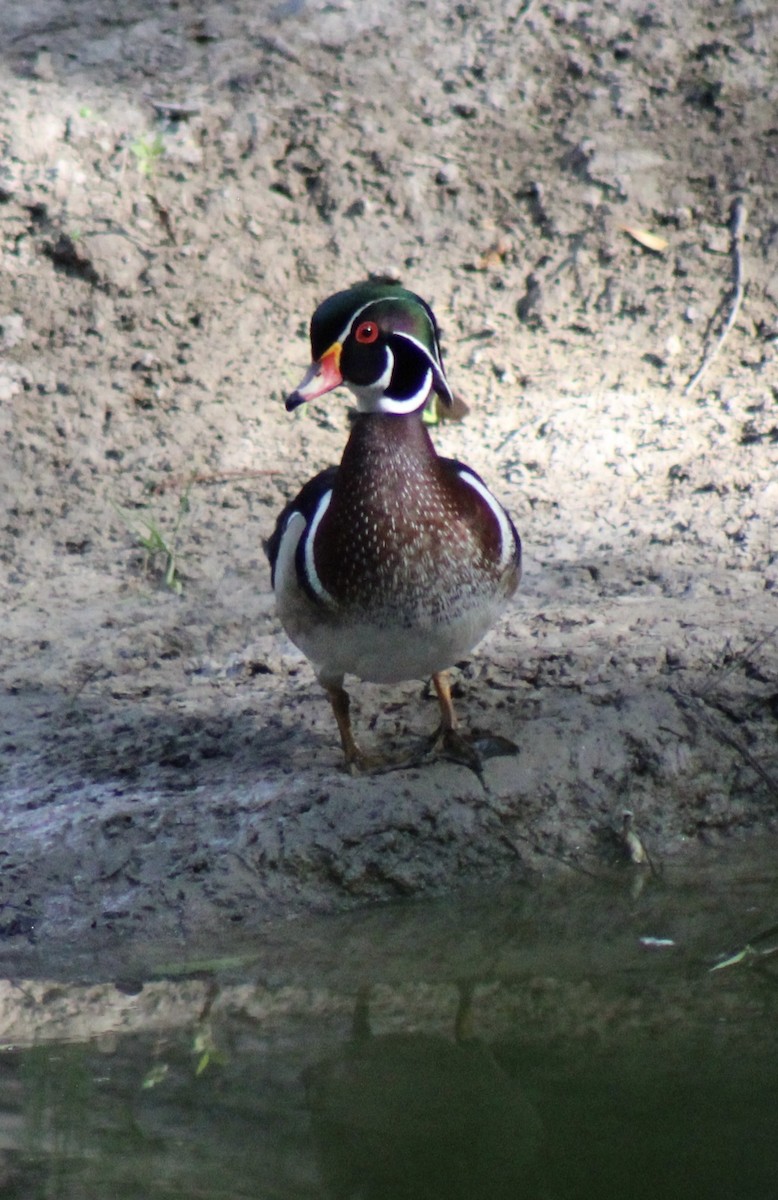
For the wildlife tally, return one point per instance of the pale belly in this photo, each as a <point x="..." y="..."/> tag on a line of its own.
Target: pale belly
<point x="389" y="653"/>
<point x="405" y="637"/>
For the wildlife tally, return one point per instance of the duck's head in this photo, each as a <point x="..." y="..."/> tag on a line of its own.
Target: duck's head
<point x="381" y="341"/>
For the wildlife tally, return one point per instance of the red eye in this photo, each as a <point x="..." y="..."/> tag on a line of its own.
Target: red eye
<point x="366" y="332"/>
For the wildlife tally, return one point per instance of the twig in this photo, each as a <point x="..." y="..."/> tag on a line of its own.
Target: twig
<point x="737" y="224"/>
<point x="700" y="706"/>
<point x="175" y="481"/>
<point x="164" y="218"/>
<point x="172" y="111"/>
<point x="274" y="45"/>
<point x="716" y="675"/>
<point x="510" y="839"/>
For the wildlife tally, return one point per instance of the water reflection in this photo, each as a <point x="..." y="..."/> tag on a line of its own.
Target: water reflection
<point x="421" y="1116"/>
<point x="520" y="1045"/>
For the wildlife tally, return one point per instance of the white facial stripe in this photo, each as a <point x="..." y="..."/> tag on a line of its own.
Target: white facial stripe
<point x="397" y="333"/>
<point x="408" y="403"/>
<point x="371" y="398"/>
<point x="507" y="540"/>
<point x="311" y="573"/>
<point x="416" y="342"/>
<point x="369" y="394"/>
<point x="347" y="328"/>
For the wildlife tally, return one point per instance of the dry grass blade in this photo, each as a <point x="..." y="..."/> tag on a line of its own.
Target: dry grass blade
<point x="644" y="237"/>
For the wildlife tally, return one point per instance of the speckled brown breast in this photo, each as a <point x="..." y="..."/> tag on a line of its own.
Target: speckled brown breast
<point x="404" y="536"/>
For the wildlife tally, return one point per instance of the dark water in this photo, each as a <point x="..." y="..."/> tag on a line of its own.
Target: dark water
<point x="530" y="1043"/>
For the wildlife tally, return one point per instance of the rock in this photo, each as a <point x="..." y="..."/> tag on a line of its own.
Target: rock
<point x="115" y="260"/>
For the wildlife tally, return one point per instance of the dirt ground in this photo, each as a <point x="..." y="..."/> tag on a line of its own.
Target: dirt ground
<point x="180" y="184"/>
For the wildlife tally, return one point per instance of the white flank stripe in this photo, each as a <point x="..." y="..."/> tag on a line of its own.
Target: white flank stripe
<point x="285" y="568"/>
<point x="310" y="565"/>
<point x="507" y="541"/>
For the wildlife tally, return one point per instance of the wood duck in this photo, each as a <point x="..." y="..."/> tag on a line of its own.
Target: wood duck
<point x="393" y="565"/>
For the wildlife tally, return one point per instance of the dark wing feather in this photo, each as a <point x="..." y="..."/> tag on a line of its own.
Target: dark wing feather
<point x="305" y="502"/>
<point x="452" y="466"/>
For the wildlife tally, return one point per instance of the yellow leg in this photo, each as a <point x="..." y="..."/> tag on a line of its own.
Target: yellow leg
<point x="448" y="718"/>
<point x="446" y="739"/>
<point x="356" y="761"/>
<point x="340" y="706"/>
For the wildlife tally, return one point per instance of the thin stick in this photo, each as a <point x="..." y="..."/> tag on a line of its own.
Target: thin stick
<point x="175" y="481"/>
<point x="700" y="706"/>
<point x="715" y="675"/>
<point x="738" y="224"/>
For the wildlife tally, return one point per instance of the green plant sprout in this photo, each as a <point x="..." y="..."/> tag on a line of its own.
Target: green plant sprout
<point x="155" y="1076"/>
<point x="204" y="1048"/>
<point x="148" y="151"/>
<point x="155" y="543"/>
<point x="763" y="945"/>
